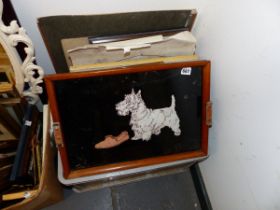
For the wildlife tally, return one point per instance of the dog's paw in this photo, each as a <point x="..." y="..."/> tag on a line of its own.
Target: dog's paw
<point x="146" y="136"/>
<point x="135" y="138"/>
<point x="177" y="133"/>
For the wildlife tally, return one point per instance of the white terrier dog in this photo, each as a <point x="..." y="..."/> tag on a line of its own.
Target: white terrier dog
<point x="144" y="121"/>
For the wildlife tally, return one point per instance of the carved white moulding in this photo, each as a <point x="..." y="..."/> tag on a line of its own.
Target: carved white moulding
<point x="26" y="71"/>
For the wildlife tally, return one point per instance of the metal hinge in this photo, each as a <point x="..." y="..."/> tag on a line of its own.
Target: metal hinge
<point x="209" y="114"/>
<point x="57" y="134"/>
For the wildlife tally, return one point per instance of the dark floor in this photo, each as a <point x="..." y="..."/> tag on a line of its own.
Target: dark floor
<point x="171" y="192"/>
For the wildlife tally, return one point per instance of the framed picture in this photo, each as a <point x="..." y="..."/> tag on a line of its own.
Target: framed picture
<point x="9" y="128"/>
<point x="120" y="119"/>
<point x="92" y="26"/>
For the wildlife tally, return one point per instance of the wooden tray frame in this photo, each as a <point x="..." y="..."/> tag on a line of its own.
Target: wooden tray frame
<point x="69" y="174"/>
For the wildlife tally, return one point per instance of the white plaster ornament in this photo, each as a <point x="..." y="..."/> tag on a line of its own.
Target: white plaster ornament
<point x="144" y="121"/>
<point x="26" y="71"/>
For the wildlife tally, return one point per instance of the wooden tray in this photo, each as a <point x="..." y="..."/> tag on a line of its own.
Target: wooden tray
<point x="86" y="108"/>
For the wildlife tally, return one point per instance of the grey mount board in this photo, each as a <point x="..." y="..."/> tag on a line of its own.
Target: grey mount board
<point x="55" y="28"/>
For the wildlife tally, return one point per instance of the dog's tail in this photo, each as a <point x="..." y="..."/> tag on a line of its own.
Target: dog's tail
<point x="172" y="102"/>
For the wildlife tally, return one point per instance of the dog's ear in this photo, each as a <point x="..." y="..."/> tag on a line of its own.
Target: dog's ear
<point x="139" y="93"/>
<point x="132" y="91"/>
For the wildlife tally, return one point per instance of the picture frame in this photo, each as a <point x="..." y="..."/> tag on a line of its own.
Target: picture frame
<point x="93" y="26"/>
<point x="6" y="134"/>
<point x="17" y="50"/>
<point x="93" y="107"/>
<point x="9" y="128"/>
